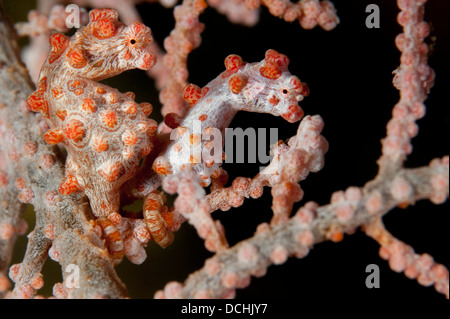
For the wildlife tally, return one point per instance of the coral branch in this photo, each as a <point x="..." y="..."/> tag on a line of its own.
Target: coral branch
<point x="232" y="268"/>
<point x="402" y="258"/>
<point x="413" y="78"/>
<point x="41" y="170"/>
<point x="184" y="38"/>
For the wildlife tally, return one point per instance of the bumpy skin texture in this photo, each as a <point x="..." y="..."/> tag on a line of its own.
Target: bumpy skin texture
<point x="105" y="132"/>
<point x="263" y="87"/>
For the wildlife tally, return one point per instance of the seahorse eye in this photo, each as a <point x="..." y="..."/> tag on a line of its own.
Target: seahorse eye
<point x="285" y="91"/>
<point x="133" y="41"/>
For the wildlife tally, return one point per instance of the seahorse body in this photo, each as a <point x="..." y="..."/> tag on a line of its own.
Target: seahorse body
<point x="263" y="87"/>
<point x="105" y="132"/>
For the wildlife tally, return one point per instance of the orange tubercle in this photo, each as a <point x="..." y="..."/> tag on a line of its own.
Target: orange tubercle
<point x="76" y="58"/>
<point x="162" y="166"/>
<point x="61" y="114"/>
<point x="54" y="136"/>
<point x="97" y="14"/>
<point x="104" y="28"/>
<point x="129" y="138"/>
<point x="36" y="101"/>
<point x="270" y="70"/>
<point x="109" y="118"/>
<point x="110" y="171"/>
<point x="99" y="144"/>
<point x="100" y="90"/>
<point x="147" y="108"/>
<point x="274" y="100"/>
<point x="215" y="173"/>
<point x="336" y="236"/>
<point x="59" y="43"/>
<point x="233" y="62"/>
<point x="129" y="107"/>
<point x="88" y="105"/>
<point x="74" y="130"/>
<point x="69" y="186"/>
<point x="278" y="58"/>
<point x="192" y="93"/>
<point x="236" y="83"/>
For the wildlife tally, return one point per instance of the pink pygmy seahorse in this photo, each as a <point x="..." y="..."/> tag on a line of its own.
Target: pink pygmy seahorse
<point x="105" y="132"/>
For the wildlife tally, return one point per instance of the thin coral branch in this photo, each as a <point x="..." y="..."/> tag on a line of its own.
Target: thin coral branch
<point x="413" y="78"/>
<point x="309" y="13"/>
<point x="402" y="258"/>
<point x="291" y="164"/>
<point x="184" y="38"/>
<point x="232" y="268"/>
<point x="11" y="210"/>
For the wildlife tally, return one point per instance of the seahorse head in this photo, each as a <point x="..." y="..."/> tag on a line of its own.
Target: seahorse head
<point x="103" y="48"/>
<point x="267" y="86"/>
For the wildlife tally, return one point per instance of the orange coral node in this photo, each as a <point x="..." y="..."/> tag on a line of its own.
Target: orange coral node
<point x="336" y="236"/>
